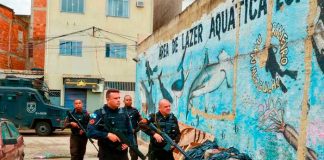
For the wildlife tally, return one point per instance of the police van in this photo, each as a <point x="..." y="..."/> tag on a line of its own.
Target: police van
<point x="25" y="102"/>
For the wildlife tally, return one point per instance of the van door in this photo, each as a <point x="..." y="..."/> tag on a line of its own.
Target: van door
<point x="2" y="104"/>
<point x="13" y="106"/>
<point x="34" y="106"/>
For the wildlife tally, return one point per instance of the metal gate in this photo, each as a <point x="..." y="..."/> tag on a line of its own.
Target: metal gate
<point x="73" y="94"/>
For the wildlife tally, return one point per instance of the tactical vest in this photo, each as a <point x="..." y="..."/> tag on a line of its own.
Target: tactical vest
<point x="82" y="118"/>
<point x="117" y="120"/>
<point x="133" y="115"/>
<point x="168" y="126"/>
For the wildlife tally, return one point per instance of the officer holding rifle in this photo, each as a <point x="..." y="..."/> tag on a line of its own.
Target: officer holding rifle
<point x="111" y="126"/>
<point x="78" y="138"/>
<point x="165" y="121"/>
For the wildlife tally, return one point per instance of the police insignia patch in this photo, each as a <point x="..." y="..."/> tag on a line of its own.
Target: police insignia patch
<point x="93" y="115"/>
<point x="92" y="121"/>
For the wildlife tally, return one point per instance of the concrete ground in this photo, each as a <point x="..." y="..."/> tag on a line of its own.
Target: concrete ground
<point x="56" y="146"/>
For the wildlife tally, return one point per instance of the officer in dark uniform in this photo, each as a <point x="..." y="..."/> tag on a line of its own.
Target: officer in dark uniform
<point x="103" y="121"/>
<point x="78" y="138"/>
<point x="166" y="122"/>
<point x="135" y="118"/>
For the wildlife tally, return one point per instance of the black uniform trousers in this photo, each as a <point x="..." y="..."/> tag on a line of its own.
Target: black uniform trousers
<point x="78" y="146"/>
<point x="160" y="154"/>
<point x="132" y="154"/>
<point x="107" y="153"/>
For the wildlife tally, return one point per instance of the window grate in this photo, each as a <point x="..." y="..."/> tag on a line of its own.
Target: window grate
<point x="124" y="86"/>
<point x="55" y="93"/>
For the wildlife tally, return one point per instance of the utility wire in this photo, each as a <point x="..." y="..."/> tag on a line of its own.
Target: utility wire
<point x="120" y="35"/>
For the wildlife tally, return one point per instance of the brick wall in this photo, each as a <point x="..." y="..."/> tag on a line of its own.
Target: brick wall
<point x="38" y="32"/>
<point x="13" y="39"/>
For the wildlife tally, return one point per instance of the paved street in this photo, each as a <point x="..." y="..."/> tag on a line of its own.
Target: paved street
<point x="55" y="146"/>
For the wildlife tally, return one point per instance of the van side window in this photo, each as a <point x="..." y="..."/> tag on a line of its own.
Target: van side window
<point x="11" y="97"/>
<point x="32" y="97"/>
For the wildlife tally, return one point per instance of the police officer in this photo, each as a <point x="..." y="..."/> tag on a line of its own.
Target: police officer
<point x="78" y="138"/>
<point x="166" y="122"/>
<point x="102" y="123"/>
<point x="135" y="118"/>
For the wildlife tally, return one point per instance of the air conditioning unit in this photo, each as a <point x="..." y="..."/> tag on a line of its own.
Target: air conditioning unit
<point x="140" y="3"/>
<point x="98" y="88"/>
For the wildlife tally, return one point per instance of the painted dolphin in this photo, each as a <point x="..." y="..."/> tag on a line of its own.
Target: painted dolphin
<point x="211" y="77"/>
<point x="177" y="86"/>
<point x="164" y="91"/>
<point x="149" y="72"/>
<point x="147" y="99"/>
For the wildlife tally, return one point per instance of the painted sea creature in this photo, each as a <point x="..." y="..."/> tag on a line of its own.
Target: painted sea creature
<point x="271" y="119"/>
<point x="149" y="72"/>
<point x="211" y="77"/>
<point x="273" y="67"/>
<point x="147" y="100"/>
<point x="164" y="91"/>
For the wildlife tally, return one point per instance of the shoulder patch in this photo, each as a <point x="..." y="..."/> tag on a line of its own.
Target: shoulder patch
<point x="92" y="121"/>
<point x="93" y="115"/>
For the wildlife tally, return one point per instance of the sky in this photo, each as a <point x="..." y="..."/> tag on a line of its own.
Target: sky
<point x="20" y="7"/>
<point x="186" y="3"/>
<point x="23" y="7"/>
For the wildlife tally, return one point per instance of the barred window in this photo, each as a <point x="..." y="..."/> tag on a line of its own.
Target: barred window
<point x="124" y="86"/>
<point x="55" y="93"/>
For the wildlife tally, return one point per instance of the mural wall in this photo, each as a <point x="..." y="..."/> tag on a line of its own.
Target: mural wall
<point x="250" y="72"/>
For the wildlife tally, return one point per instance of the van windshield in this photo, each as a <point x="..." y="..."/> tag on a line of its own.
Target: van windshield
<point x="41" y="86"/>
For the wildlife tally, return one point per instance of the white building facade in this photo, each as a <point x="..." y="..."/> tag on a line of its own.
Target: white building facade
<point x="90" y="46"/>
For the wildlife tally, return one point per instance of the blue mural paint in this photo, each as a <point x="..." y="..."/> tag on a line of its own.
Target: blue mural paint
<point x="197" y="74"/>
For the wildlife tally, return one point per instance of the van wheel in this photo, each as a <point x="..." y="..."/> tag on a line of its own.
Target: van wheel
<point x="43" y="129"/>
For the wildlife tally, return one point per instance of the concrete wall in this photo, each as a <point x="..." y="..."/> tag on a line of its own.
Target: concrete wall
<point x="254" y="81"/>
<point x="164" y="11"/>
<point x="13" y="49"/>
<point x="93" y="102"/>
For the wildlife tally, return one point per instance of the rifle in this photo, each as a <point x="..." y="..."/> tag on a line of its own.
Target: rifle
<point x="81" y="127"/>
<point x="124" y="140"/>
<point x="169" y="141"/>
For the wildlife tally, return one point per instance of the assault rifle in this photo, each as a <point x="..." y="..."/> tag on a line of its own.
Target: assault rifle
<point x="81" y="127"/>
<point x="169" y="141"/>
<point x="123" y="138"/>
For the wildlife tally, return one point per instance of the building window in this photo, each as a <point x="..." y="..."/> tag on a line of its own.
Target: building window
<point x="124" y="86"/>
<point x="118" y="8"/>
<point x="72" y="6"/>
<point x="115" y="50"/>
<point x="30" y="49"/>
<point x="20" y="46"/>
<point x="70" y="48"/>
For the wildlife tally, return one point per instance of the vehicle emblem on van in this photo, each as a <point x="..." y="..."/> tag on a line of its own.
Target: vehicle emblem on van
<point x="31" y="107"/>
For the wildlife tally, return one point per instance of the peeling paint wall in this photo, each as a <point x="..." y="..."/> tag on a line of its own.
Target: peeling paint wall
<point x="254" y="81"/>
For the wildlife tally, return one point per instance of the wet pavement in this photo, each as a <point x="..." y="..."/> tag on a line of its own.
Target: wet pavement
<point x="56" y="146"/>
